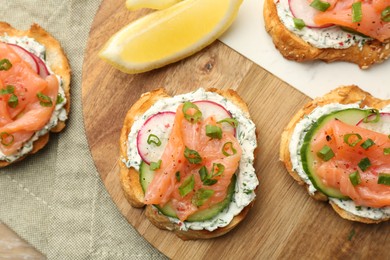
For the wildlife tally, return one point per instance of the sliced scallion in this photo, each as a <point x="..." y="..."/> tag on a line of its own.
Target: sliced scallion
<point x="9" y="89"/>
<point x="384" y="178"/>
<point x="299" y="23"/>
<point x="320" y="5"/>
<point x="218" y="169"/>
<point x="191" y="112"/>
<point x="367" y="144"/>
<point x="177" y="176"/>
<point x="356" y="139"/>
<point x="364" y="164"/>
<point x="231" y="121"/>
<point x="355" y="178"/>
<point x="385" y="14"/>
<point x="153" y="139"/>
<point x="369" y="113"/>
<point x="192" y="156"/>
<point x="326" y="153"/>
<point x="6" y="138"/>
<point x="5" y="64"/>
<point x="201" y="196"/>
<point x="155" y="165"/>
<point x="386" y="151"/>
<point x="213" y="131"/>
<point x="44" y="100"/>
<point x="187" y="186"/>
<point x="60" y="99"/>
<point x="357" y="12"/>
<point x="13" y="101"/>
<point x="228" y="149"/>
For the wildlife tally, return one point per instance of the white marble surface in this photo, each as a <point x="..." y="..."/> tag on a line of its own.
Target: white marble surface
<point x="248" y="36"/>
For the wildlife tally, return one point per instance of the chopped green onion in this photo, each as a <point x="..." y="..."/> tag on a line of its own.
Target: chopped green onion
<point x="187" y="186"/>
<point x="177" y="175"/>
<point x="203" y="173"/>
<point x="209" y="182"/>
<point x="218" y="169"/>
<point x="231" y="121"/>
<point x="384" y="178"/>
<point x="326" y="153"/>
<point x="367" y="144"/>
<point x="386" y="151"/>
<point x="320" y="5"/>
<point x="5" y="64"/>
<point x="192" y="156"/>
<point x="9" y="89"/>
<point x="352" y="144"/>
<point x="357" y="12"/>
<point x="60" y="99"/>
<point x="228" y="146"/>
<point x="44" y="100"/>
<point x="194" y="117"/>
<point x="155" y="165"/>
<point x="372" y="112"/>
<point x="6" y="138"/>
<point x="13" y="101"/>
<point x="213" y="131"/>
<point x="385" y="15"/>
<point x="201" y="196"/>
<point x="364" y="164"/>
<point x="355" y="178"/>
<point x="154" y="139"/>
<point x="299" y="23"/>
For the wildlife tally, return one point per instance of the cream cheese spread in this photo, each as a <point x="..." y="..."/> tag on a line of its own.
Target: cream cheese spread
<point x="59" y="113"/>
<point x="329" y="37"/>
<point x="295" y="146"/>
<point x="246" y="180"/>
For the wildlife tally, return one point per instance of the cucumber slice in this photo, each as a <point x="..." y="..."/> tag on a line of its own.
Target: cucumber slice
<point x="146" y="177"/>
<point x="350" y="116"/>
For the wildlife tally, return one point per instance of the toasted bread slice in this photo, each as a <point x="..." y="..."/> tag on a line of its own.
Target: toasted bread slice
<point x="129" y="177"/>
<point x="59" y="64"/>
<point x="293" y="47"/>
<point x="341" y="95"/>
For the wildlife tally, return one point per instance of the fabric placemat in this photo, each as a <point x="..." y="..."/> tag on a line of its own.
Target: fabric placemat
<point x="55" y="199"/>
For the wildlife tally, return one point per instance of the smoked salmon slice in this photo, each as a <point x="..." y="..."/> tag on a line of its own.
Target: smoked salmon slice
<point x="35" y="96"/>
<point x="186" y="135"/>
<point x="371" y="24"/>
<point x="348" y="154"/>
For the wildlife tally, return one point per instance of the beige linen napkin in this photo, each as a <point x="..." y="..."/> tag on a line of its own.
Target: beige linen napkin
<point x="55" y="199"/>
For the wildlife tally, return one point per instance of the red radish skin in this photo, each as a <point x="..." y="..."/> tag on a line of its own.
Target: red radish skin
<point x="43" y="71"/>
<point x="26" y="56"/>
<point x="301" y="9"/>
<point x="160" y="125"/>
<point x="382" y="126"/>
<point x="210" y="108"/>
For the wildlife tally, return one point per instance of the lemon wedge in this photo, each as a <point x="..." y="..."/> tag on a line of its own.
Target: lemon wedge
<point x="153" y="4"/>
<point x="169" y="35"/>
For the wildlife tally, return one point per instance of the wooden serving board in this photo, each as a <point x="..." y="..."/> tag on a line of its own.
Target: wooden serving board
<point x="284" y="221"/>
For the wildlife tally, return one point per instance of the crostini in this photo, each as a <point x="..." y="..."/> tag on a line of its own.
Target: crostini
<point x="338" y="146"/>
<point x="189" y="160"/>
<point x="34" y="91"/>
<point x="329" y="30"/>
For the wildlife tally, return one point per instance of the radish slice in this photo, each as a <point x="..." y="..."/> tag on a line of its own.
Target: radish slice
<point x="43" y="71"/>
<point x="382" y="126"/>
<point x="210" y="108"/>
<point x="159" y="125"/>
<point x="301" y="9"/>
<point x="26" y="56"/>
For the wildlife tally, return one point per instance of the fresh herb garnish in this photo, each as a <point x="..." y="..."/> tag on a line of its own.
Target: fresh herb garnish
<point x="356" y="138"/>
<point x="231" y="121"/>
<point x="187" y="186"/>
<point x="155" y="165"/>
<point x="192" y="156"/>
<point x="364" y="164"/>
<point x="228" y="149"/>
<point x="191" y="112"/>
<point x="44" y="100"/>
<point x="326" y="153"/>
<point x="153" y="139"/>
<point x="213" y="131"/>
<point x="5" y="64"/>
<point x="6" y="138"/>
<point x="201" y="196"/>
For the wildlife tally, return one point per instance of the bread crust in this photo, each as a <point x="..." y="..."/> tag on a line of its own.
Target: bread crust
<point x="292" y="47"/>
<point x="58" y="63"/>
<point x="341" y="95"/>
<point x="129" y="177"/>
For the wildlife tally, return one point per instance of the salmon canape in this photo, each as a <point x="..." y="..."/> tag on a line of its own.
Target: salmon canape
<point x="189" y="159"/>
<point x="34" y="91"/>
<point x="330" y="30"/>
<point x="338" y="146"/>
